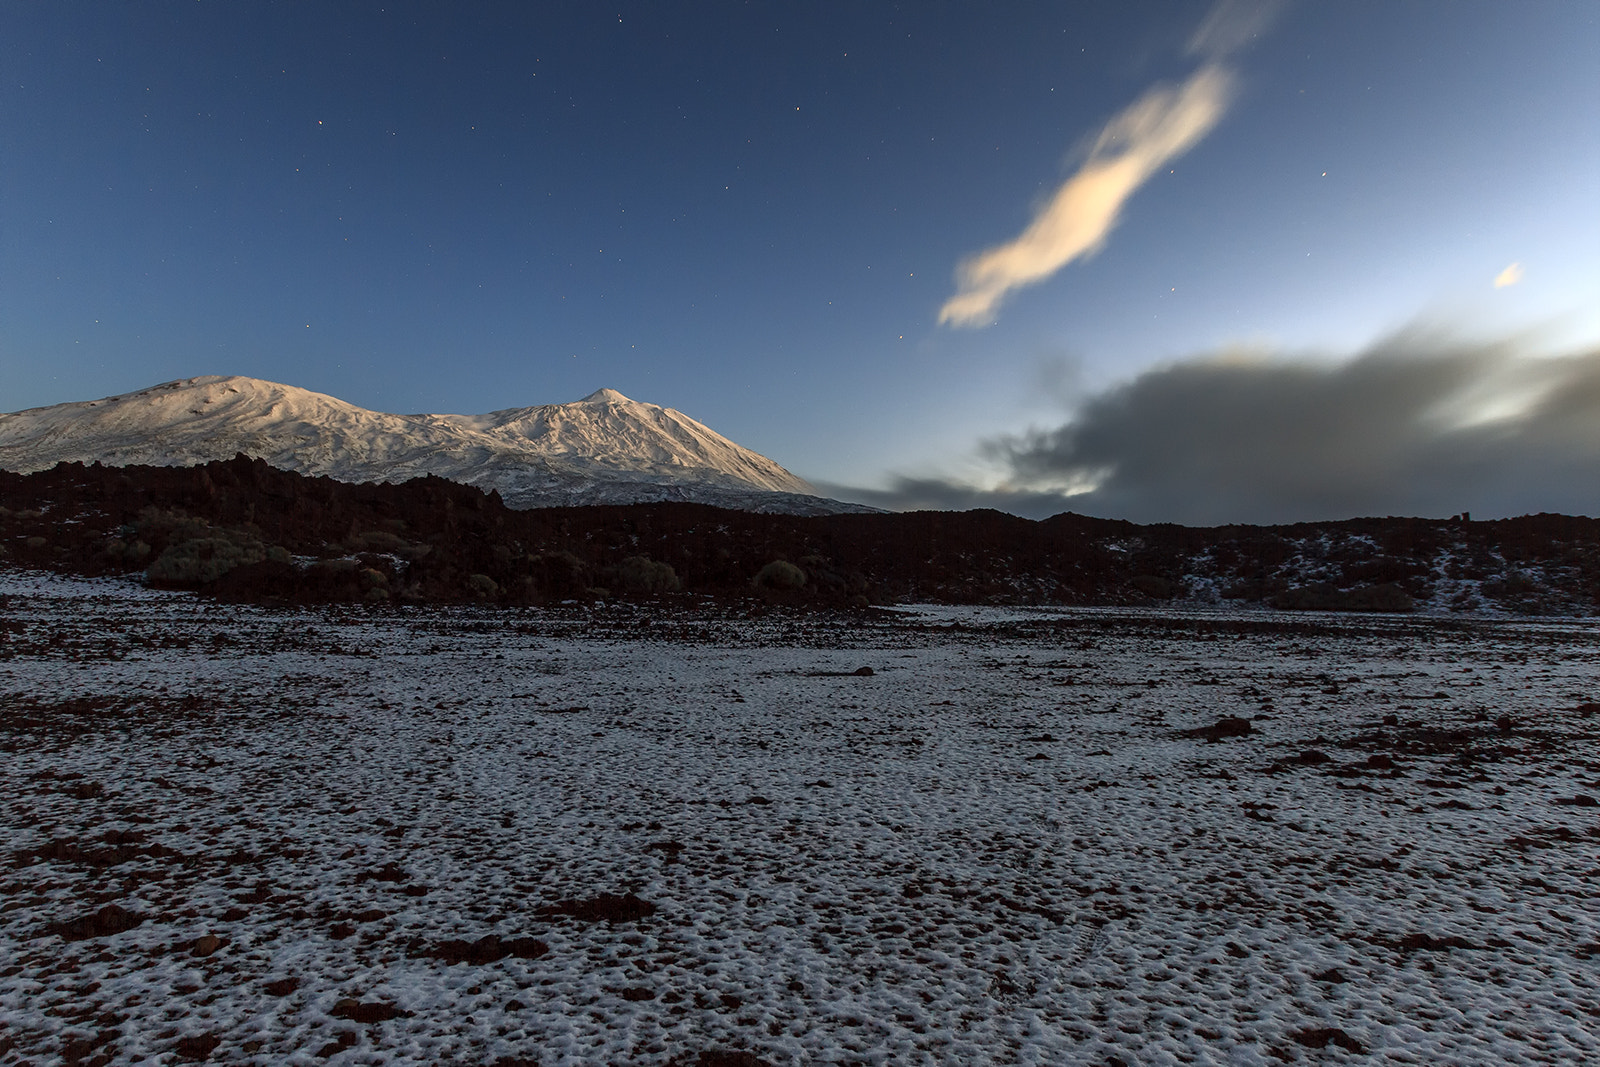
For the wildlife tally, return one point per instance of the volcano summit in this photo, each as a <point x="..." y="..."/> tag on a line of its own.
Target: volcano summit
<point x="603" y="449"/>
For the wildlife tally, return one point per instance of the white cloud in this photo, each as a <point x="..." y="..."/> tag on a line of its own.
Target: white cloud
<point x="1159" y="126"/>
<point x="1162" y="124"/>
<point x="1508" y="277"/>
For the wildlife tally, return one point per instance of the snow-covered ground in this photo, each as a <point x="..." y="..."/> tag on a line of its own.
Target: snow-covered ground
<point x="698" y="834"/>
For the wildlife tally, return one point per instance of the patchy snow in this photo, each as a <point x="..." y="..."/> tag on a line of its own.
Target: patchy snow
<point x="603" y="449"/>
<point x="47" y="585"/>
<point x="1000" y="846"/>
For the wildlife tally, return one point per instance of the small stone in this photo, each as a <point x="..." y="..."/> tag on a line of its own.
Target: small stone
<point x="206" y="944"/>
<point x="1324" y="1036"/>
<point x="607" y="907"/>
<point x="729" y="1058"/>
<point x="337" y="1045"/>
<point x="1227" y="726"/>
<point x="111" y="919"/>
<point x="368" y="1012"/>
<point x="1427" y="942"/>
<point x="199" y="1047"/>
<point x="486" y="949"/>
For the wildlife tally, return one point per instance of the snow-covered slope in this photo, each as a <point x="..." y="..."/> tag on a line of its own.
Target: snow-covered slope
<point x="603" y="449"/>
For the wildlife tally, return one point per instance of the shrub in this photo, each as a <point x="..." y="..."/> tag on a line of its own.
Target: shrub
<point x="559" y="574"/>
<point x="780" y="574"/>
<point x="641" y="574"/>
<point x="170" y="525"/>
<point x="203" y="559"/>
<point x="378" y="541"/>
<point x="1153" y="586"/>
<point x="1385" y="597"/>
<point x="1323" y="596"/>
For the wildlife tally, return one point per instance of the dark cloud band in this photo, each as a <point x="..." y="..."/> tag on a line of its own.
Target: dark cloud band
<point x="1416" y="425"/>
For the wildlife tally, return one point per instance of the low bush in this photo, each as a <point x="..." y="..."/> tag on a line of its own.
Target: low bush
<point x="201" y="560"/>
<point x="170" y="526"/>
<point x="559" y="574"/>
<point x="1153" y="586"/>
<point x="780" y="574"/>
<point x="1323" y="596"/>
<point x="378" y="541"/>
<point x="641" y="574"/>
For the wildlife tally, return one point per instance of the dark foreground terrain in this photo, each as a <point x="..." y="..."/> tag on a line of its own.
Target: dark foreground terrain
<point x="244" y="531"/>
<point x="668" y="833"/>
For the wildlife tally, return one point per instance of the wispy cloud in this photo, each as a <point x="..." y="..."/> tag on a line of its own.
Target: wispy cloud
<point x="1231" y="25"/>
<point x="1417" y="424"/>
<point x="1074" y="223"/>
<point x="1508" y="277"/>
<point x="1160" y="125"/>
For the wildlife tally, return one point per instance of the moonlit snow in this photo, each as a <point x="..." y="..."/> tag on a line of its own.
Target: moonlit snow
<point x="707" y="834"/>
<point x="603" y="449"/>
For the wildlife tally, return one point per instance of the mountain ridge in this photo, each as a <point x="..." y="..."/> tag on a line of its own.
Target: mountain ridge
<point x="603" y="449"/>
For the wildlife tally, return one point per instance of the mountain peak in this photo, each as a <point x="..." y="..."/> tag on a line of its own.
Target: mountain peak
<point x="604" y="448"/>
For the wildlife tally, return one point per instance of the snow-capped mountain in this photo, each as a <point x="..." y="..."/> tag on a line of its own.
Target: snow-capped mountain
<point x="603" y="449"/>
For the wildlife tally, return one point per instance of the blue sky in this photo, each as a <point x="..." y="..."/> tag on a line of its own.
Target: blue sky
<point x="754" y="212"/>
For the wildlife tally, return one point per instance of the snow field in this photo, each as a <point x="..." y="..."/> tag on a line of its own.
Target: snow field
<point x="999" y="847"/>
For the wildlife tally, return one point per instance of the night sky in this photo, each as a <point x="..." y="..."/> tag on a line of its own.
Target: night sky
<point x="1156" y="260"/>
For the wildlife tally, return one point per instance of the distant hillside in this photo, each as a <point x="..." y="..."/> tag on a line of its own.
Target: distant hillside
<point x="603" y="449"/>
<point x="241" y="529"/>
